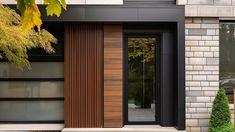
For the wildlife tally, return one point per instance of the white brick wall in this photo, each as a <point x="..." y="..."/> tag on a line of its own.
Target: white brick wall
<point x="206" y="2"/>
<point x="202" y="70"/>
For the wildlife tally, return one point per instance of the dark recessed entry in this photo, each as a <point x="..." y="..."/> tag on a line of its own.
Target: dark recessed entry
<point x="151" y="74"/>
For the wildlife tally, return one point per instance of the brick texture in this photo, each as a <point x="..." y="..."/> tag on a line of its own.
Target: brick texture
<point x="206" y="2"/>
<point x="202" y="70"/>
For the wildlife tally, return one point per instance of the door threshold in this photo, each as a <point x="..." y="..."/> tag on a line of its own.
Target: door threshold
<point x="145" y="126"/>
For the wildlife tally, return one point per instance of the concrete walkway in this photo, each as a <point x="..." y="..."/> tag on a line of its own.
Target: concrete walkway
<point x="127" y="128"/>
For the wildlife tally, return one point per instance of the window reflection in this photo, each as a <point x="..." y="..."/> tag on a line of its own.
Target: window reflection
<point x="27" y="89"/>
<point x="141" y="79"/>
<point x="227" y="58"/>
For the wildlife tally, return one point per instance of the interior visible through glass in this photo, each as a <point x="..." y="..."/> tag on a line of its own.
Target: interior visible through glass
<point x="227" y="58"/>
<point x="141" y="79"/>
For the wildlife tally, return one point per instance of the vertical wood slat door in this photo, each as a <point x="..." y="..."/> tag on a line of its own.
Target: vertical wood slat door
<point x="113" y="107"/>
<point x="83" y="84"/>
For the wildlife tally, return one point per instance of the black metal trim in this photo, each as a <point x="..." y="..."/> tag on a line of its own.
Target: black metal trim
<point x="227" y="21"/>
<point x="32" y="99"/>
<point x="141" y="123"/>
<point x="33" y="122"/>
<point x="33" y="79"/>
<point x="42" y="59"/>
<point x="180" y="120"/>
<point x="125" y="75"/>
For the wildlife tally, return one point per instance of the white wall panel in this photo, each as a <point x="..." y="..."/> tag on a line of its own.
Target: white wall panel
<point x="76" y="2"/>
<point x="104" y="2"/>
<point x="7" y="1"/>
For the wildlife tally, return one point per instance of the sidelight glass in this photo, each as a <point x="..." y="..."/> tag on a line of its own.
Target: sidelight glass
<point x="141" y="79"/>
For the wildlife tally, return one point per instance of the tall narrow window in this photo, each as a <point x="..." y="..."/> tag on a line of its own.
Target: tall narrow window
<point x="37" y="94"/>
<point x="142" y="78"/>
<point x="227" y="57"/>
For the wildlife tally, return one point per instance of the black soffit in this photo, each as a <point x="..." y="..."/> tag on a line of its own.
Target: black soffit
<point x="118" y="14"/>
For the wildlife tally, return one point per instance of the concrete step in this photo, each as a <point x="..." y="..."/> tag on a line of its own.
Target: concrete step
<point x="127" y="128"/>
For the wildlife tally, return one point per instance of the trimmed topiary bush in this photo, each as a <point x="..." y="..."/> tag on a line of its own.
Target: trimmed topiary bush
<point x="220" y="119"/>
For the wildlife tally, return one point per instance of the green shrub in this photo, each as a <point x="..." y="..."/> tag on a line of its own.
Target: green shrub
<point x="220" y="119"/>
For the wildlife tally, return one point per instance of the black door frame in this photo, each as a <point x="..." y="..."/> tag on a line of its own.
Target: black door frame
<point x="171" y="103"/>
<point x="157" y="76"/>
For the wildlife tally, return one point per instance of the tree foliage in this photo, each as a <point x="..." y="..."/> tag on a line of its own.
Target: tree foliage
<point x="15" y="41"/>
<point x="141" y="64"/>
<point x="31" y="15"/>
<point x="142" y="48"/>
<point x="220" y="119"/>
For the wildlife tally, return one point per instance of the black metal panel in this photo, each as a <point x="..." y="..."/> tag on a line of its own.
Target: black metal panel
<point x="167" y="77"/>
<point x="180" y="120"/>
<point x="118" y="14"/>
<point x="111" y="14"/>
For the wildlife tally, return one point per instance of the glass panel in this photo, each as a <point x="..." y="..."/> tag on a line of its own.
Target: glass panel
<point x="39" y="70"/>
<point x="227" y="57"/>
<point x="141" y="79"/>
<point x="31" y="89"/>
<point x="31" y="110"/>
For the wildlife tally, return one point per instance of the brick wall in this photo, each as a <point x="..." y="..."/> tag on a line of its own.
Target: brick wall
<point x="202" y="70"/>
<point x="206" y="2"/>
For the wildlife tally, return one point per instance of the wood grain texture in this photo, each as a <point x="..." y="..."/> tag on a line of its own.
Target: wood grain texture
<point x="83" y="81"/>
<point x="113" y="69"/>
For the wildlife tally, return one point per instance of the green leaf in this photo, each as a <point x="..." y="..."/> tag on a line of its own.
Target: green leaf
<point x="21" y="6"/>
<point x="53" y="7"/>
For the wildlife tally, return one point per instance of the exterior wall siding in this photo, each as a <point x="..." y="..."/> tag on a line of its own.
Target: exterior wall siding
<point x="83" y="81"/>
<point x="113" y="69"/>
<point x="202" y="70"/>
<point x="209" y="2"/>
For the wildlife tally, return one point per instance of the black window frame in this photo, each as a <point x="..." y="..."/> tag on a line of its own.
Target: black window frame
<point x="157" y="67"/>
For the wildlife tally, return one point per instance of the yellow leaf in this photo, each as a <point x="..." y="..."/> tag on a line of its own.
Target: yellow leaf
<point x="63" y="3"/>
<point x="31" y="18"/>
<point x="46" y="2"/>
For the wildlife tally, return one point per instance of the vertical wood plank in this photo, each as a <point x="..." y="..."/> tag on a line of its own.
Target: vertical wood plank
<point x="83" y="81"/>
<point x="113" y="115"/>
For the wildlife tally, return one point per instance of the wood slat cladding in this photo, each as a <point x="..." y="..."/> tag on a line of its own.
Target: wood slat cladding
<point x="113" y="107"/>
<point x="83" y="81"/>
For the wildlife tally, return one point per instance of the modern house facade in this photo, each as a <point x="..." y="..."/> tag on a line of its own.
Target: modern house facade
<point x="123" y="64"/>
